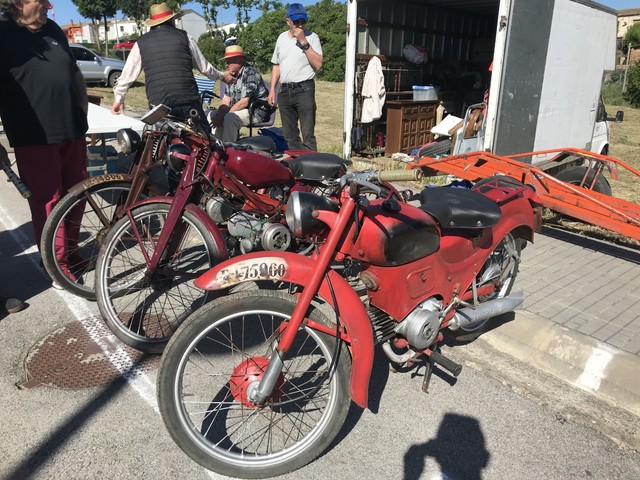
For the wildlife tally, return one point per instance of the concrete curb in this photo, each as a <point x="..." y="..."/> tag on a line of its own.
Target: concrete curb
<point x="582" y="361"/>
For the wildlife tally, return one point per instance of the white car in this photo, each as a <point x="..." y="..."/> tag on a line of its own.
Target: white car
<point x="97" y="69"/>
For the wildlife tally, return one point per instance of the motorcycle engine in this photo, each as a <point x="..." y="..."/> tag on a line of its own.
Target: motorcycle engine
<point x="219" y="209"/>
<point x="251" y="231"/>
<point x="422" y="325"/>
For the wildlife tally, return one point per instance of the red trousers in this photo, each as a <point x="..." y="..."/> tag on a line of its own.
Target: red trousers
<point x="49" y="171"/>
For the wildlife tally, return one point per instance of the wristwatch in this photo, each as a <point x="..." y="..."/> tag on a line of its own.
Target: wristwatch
<point x="306" y="46"/>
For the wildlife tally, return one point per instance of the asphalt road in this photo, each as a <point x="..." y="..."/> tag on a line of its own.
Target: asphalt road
<point x="499" y="420"/>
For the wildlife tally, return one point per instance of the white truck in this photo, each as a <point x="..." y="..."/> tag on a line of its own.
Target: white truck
<point x="547" y="59"/>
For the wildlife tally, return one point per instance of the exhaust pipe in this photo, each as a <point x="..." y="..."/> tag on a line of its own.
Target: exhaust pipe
<point x="484" y="311"/>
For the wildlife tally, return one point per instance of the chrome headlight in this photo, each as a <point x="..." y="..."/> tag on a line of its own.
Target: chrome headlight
<point x="299" y="212"/>
<point x="128" y="140"/>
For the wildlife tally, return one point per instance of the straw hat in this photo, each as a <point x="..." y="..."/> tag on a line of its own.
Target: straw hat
<point x="233" y="51"/>
<point x="161" y="13"/>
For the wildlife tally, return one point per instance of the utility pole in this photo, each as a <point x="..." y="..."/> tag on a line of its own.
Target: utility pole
<point x="626" y="68"/>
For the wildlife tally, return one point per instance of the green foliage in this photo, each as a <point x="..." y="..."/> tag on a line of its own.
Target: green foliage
<point x="258" y="39"/>
<point x="632" y="94"/>
<point x="612" y="93"/>
<point x="327" y="19"/>
<point x="631" y="37"/>
<point x="212" y="47"/>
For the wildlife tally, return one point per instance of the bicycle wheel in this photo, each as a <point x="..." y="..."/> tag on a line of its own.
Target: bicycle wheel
<point x="218" y="355"/>
<point x="142" y="309"/>
<point x="89" y="214"/>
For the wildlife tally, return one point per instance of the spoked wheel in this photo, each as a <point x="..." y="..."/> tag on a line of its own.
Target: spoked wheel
<point x="495" y="280"/>
<point x="87" y="215"/>
<point x="143" y="309"/>
<point x="219" y="355"/>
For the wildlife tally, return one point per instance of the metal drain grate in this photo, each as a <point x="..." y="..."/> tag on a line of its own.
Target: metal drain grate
<point x="74" y="357"/>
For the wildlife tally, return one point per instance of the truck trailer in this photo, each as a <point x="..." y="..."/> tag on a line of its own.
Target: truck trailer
<point x="534" y="68"/>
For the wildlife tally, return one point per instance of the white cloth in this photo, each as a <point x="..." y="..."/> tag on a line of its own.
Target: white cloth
<point x="294" y="65"/>
<point x="373" y="91"/>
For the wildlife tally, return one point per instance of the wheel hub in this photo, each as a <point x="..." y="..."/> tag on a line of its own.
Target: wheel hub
<point x="248" y="373"/>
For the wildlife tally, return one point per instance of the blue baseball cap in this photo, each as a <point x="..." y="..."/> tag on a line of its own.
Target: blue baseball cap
<point x="296" y="11"/>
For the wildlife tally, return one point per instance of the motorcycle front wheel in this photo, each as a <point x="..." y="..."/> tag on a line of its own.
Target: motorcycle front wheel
<point x="98" y="205"/>
<point x="142" y="309"/>
<point x="219" y="354"/>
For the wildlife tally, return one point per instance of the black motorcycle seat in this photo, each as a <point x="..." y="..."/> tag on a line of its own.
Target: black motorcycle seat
<point x="316" y="166"/>
<point x="459" y="207"/>
<point x="263" y="144"/>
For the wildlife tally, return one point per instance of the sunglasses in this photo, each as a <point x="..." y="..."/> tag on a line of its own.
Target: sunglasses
<point x="301" y="21"/>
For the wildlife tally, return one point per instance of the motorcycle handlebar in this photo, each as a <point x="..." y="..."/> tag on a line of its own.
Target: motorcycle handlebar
<point x="399" y="175"/>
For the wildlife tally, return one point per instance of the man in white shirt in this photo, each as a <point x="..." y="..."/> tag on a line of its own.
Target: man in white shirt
<point x="167" y="55"/>
<point x="296" y="59"/>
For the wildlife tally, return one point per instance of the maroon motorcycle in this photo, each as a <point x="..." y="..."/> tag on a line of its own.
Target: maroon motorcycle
<point x="257" y="383"/>
<point x="229" y="199"/>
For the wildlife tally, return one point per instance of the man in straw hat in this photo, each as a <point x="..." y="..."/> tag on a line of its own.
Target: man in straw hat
<point x="167" y="55"/>
<point x="234" y="105"/>
<point x="296" y="59"/>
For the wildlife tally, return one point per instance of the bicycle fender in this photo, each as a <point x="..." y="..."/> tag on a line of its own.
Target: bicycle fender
<point x="87" y="183"/>
<point x="294" y="268"/>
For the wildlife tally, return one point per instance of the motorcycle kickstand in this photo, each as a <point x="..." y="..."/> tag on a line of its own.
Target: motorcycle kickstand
<point x="427" y="374"/>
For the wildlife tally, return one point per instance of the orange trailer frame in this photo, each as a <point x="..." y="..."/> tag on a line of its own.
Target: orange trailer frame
<point x="583" y="203"/>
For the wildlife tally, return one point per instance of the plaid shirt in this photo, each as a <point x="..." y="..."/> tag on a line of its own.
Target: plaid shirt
<point x="250" y="84"/>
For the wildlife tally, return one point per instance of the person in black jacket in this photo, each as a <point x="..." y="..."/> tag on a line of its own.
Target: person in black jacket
<point x="43" y="106"/>
<point x="167" y="55"/>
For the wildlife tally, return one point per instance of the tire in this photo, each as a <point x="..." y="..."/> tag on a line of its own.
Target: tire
<point x="201" y="370"/>
<point x="144" y="311"/>
<point x="434" y="149"/>
<point x="97" y="219"/>
<point x="500" y="270"/>
<point x="113" y="78"/>
<point x="575" y="175"/>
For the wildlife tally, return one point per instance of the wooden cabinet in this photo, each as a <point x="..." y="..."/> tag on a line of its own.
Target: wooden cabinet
<point x="409" y="124"/>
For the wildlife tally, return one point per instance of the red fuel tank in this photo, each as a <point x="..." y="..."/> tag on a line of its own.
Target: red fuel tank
<point x="257" y="170"/>
<point x="396" y="238"/>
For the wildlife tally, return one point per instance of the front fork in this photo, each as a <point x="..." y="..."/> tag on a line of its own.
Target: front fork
<point x="260" y="392"/>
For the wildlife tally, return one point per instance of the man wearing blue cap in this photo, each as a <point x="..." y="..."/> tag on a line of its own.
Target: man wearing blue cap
<point x="296" y="59"/>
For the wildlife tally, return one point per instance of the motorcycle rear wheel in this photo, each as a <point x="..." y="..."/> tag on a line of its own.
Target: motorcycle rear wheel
<point x="99" y="204"/>
<point x="224" y="347"/>
<point x="501" y="269"/>
<point x="144" y="310"/>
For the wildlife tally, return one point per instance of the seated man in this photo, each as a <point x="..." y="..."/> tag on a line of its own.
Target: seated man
<point x="233" y="112"/>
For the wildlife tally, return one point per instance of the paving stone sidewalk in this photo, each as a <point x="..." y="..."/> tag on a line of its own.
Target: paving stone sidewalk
<point x="585" y="285"/>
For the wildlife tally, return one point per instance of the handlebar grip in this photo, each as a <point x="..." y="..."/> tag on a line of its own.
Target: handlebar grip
<point x="15" y="179"/>
<point x="399" y="175"/>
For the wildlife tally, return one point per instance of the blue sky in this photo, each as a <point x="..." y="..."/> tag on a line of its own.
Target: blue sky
<point x="65" y="10"/>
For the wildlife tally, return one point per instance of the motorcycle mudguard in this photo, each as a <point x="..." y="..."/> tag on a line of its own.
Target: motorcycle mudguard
<point x="199" y="214"/>
<point x="296" y="269"/>
<point x="87" y="183"/>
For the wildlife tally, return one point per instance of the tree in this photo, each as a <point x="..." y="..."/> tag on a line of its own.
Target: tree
<point x="632" y="93"/>
<point x="328" y="19"/>
<point x="632" y="37"/>
<point x="98" y="10"/>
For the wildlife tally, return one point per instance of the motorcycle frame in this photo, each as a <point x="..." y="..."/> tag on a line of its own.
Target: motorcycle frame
<point x="316" y="278"/>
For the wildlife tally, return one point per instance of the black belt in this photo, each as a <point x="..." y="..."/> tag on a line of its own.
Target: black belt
<point x="296" y="84"/>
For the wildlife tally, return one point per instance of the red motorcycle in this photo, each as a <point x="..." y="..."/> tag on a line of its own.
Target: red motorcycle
<point x="229" y="199"/>
<point x="257" y="383"/>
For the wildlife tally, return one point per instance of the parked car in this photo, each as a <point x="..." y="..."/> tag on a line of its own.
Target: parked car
<point x="97" y="69"/>
<point x="126" y="45"/>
